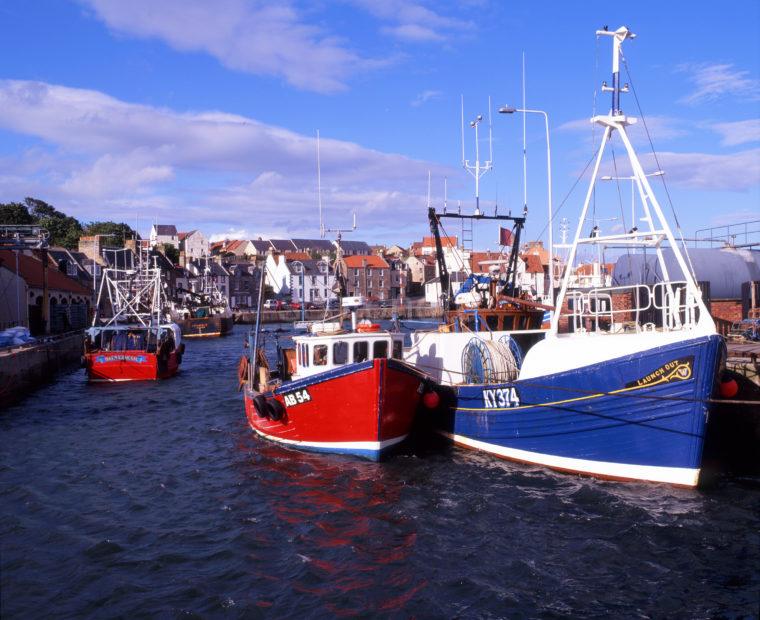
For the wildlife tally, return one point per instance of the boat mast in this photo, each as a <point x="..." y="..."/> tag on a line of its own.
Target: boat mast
<point x="659" y="230"/>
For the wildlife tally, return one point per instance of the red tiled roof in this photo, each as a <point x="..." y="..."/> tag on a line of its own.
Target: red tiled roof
<point x="297" y="256"/>
<point x="372" y="260"/>
<point x="429" y="242"/>
<point x="533" y="263"/>
<point x="30" y="269"/>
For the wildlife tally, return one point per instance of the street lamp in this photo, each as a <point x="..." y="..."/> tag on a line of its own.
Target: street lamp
<point x="300" y="270"/>
<point x="511" y="110"/>
<point x="632" y="179"/>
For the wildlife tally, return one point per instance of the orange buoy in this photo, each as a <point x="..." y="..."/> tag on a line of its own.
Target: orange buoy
<point x="431" y="399"/>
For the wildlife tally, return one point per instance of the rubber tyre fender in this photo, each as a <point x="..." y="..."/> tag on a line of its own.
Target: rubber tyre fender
<point x="261" y="406"/>
<point x="276" y="409"/>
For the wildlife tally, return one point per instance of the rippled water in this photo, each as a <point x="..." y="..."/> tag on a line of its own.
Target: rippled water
<point x="157" y="500"/>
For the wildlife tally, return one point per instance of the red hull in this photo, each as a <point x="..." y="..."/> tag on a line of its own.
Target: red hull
<point x="361" y="409"/>
<point x="129" y="366"/>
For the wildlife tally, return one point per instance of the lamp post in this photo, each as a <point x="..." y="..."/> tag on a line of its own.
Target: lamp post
<point x="511" y="110"/>
<point x="300" y="270"/>
<point x="632" y="179"/>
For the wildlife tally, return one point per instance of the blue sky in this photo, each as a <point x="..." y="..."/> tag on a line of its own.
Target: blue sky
<point x="204" y="114"/>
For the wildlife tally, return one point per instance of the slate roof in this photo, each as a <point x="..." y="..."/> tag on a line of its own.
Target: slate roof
<point x="283" y="245"/>
<point x="356" y="247"/>
<point x="261" y="245"/>
<point x="165" y="230"/>
<point x="313" y="244"/>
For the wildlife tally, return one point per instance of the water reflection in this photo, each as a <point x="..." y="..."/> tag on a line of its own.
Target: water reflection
<point x="348" y="541"/>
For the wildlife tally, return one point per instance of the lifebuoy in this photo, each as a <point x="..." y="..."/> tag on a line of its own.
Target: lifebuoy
<point x="368" y="327"/>
<point x="261" y="406"/>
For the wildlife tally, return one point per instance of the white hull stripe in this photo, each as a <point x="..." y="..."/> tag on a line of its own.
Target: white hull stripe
<point x="374" y="446"/>
<point x="672" y="475"/>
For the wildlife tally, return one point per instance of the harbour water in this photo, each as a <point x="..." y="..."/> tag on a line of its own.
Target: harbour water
<point x="156" y="499"/>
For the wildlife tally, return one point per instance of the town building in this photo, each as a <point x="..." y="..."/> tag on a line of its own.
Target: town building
<point x="311" y="281"/>
<point x="369" y="276"/>
<point x="164" y="234"/>
<point x="193" y="245"/>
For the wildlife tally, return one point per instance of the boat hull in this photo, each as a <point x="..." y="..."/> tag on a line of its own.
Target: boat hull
<point x="363" y="409"/>
<point x="118" y="366"/>
<point x="637" y="417"/>
<point x="207" y="327"/>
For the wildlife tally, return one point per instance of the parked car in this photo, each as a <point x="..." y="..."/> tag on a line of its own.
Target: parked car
<point x="296" y="305"/>
<point x="273" y="304"/>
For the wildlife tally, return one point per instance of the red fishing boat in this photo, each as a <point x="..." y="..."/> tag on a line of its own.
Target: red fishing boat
<point x="338" y="390"/>
<point x="135" y="343"/>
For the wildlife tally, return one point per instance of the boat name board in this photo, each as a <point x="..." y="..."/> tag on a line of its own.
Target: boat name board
<point x="102" y="359"/>
<point x="676" y="370"/>
<point x="296" y="398"/>
<point x="501" y="398"/>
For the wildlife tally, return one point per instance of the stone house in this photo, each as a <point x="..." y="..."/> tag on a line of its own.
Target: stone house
<point x="161" y="234"/>
<point x="369" y="276"/>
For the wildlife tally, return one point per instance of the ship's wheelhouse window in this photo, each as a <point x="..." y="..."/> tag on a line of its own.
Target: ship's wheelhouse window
<point x="398" y="348"/>
<point x="380" y="349"/>
<point x="361" y="351"/>
<point x="303" y="351"/>
<point x="492" y="320"/>
<point x="320" y="355"/>
<point x="340" y="352"/>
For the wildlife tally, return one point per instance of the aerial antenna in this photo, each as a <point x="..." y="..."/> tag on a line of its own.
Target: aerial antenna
<point x="428" y="192"/>
<point x="477" y="170"/>
<point x="445" y="193"/>
<point x="525" y="143"/>
<point x="319" y="192"/>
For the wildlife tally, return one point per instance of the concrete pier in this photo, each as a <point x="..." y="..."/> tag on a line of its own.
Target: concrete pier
<point x="25" y="367"/>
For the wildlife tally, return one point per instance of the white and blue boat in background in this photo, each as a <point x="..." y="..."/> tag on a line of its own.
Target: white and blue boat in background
<point x="619" y="386"/>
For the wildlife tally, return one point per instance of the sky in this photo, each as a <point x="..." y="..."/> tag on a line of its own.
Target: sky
<point x="205" y="114"/>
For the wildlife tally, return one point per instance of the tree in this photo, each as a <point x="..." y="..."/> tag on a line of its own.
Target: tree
<point x="64" y="230"/>
<point x="118" y="233"/>
<point x="171" y="253"/>
<point x="41" y="210"/>
<point x="15" y="213"/>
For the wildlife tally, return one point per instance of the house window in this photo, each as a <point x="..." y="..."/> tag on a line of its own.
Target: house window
<point x="356" y="273"/>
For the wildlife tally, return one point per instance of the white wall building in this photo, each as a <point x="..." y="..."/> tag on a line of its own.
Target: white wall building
<point x="161" y="234"/>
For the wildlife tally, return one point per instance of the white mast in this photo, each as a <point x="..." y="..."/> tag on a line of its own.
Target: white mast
<point x="477" y="170"/>
<point x="658" y="229"/>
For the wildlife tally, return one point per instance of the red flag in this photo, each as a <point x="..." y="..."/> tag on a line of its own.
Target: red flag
<point x="505" y="236"/>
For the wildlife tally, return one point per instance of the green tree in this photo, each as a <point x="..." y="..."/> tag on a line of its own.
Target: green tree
<point x="118" y="233"/>
<point x="171" y="253"/>
<point x="15" y="213"/>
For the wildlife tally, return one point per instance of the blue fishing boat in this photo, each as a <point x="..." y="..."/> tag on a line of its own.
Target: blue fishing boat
<point x="620" y="386"/>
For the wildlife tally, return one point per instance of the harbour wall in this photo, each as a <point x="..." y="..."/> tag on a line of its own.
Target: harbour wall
<point x="25" y="367"/>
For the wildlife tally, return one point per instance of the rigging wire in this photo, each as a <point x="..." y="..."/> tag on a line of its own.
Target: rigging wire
<point x="657" y="161"/>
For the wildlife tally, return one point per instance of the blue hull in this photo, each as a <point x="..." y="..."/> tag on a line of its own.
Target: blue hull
<point x="639" y="417"/>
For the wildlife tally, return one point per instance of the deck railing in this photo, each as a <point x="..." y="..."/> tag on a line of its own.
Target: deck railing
<point x="639" y="307"/>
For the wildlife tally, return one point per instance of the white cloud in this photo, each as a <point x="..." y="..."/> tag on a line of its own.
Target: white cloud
<point x="412" y="21"/>
<point x="256" y="37"/>
<point x="424" y="97"/>
<point x="703" y="171"/>
<point x="738" y="132"/>
<point x="109" y="158"/>
<point x="661" y="128"/>
<point x="714" y="81"/>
